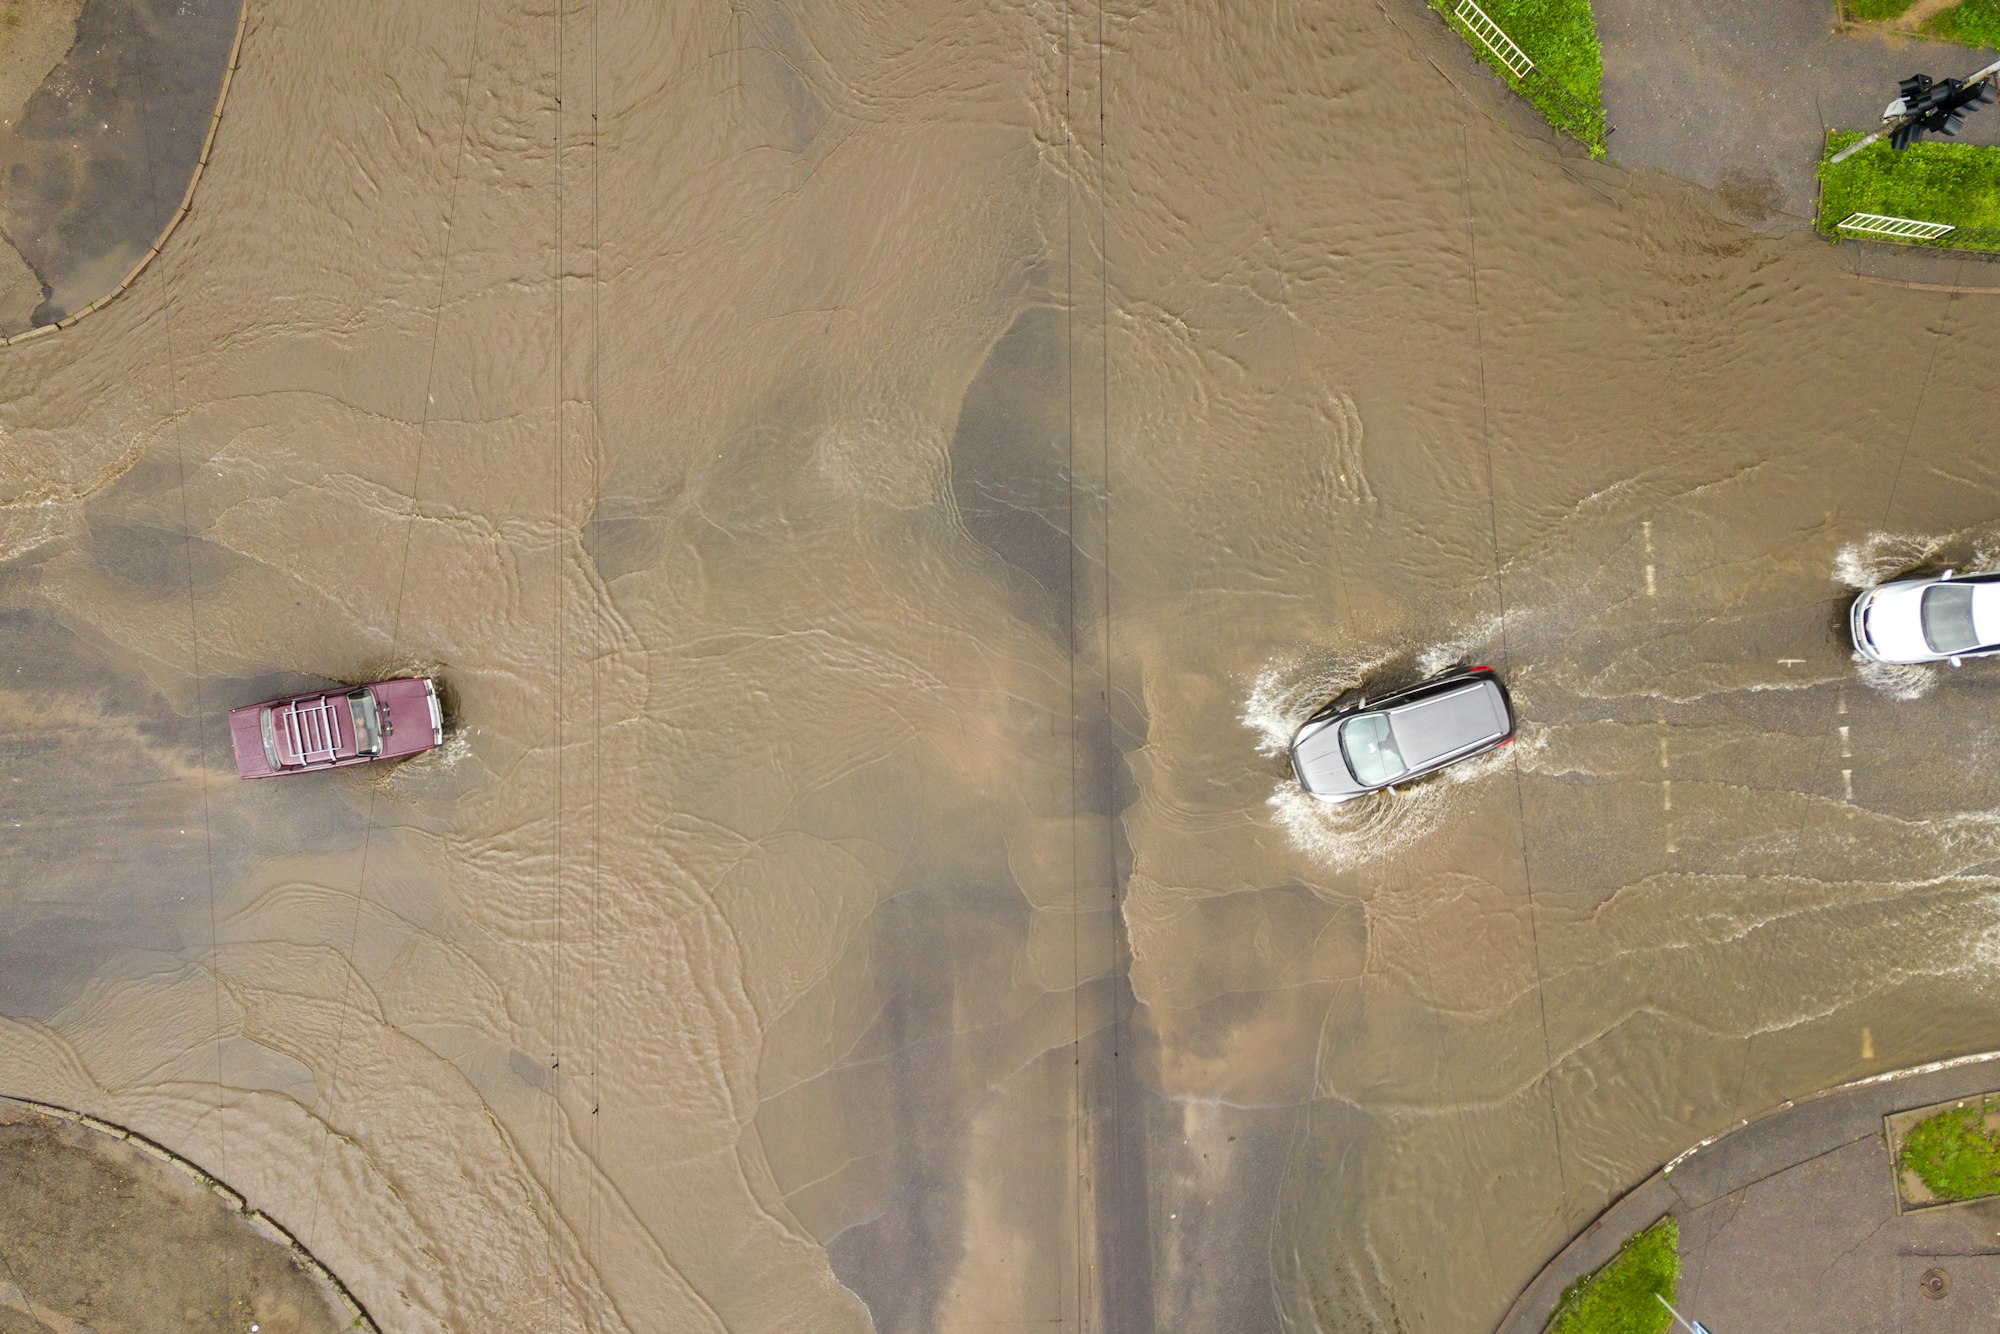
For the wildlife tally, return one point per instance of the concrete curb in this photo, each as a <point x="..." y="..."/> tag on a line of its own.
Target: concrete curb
<point x="357" y="1315"/>
<point x="187" y="199"/>
<point x="1791" y="1133"/>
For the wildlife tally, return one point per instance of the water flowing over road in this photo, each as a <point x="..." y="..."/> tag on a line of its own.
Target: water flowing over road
<point x="879" y="480"/>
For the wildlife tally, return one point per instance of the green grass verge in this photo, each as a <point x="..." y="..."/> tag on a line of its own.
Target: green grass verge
<point x="1560" y="36"/>
<point x="1874" y="11"/>
<point x="1619" y="1298"/>
<point x="1973" y="23"/>
<point x="1954" y="1153"/>
<point x="1969" y="23"/>
<point x="1929" y="181"/>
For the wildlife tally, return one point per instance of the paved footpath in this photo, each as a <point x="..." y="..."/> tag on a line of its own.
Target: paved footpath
<point x="1737" y="95"/>
<point x="1789" y="1224"/>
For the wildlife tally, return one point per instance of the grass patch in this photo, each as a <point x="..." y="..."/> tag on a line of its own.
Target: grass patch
<point x="1972" y="23"/>
<point x="1874" y="11"/>
<point x="1560" y="36"/>
<point x="1954" y="1153"/>
<point x="1929" y="181"/>
<point x="1969" y="23"/>
<point x="1619" y="1298"/>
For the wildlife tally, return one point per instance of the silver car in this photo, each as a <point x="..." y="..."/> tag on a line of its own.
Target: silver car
<point x="1940" y="618"/>
<point x="1346" y="752"/>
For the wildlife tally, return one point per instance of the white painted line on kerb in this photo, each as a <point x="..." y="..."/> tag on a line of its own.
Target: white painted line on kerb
<point x="1499" y="43"/>
<point x="1901" y="229"/>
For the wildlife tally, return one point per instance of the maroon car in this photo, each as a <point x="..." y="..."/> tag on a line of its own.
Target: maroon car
<point x="325" y="730"/>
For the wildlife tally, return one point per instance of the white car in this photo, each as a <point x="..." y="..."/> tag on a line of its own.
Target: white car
<point x="1933" y="619"/>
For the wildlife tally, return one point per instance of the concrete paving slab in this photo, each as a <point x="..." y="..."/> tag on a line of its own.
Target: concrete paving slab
<point x="1967" y="1298"/>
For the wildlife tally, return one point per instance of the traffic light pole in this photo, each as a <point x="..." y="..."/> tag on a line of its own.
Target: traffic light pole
<point x="1891" y="124"/>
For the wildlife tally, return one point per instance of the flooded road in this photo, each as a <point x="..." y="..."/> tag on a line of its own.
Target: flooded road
<point x="879" y="485"/>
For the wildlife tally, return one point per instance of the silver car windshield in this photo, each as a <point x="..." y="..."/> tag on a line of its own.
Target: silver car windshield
<point x="367" y="722"/>
<point x="1948" y="618"/>
<point x="1370" y="749"/>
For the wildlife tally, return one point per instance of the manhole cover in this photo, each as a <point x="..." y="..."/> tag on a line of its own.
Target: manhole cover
<point x="1934" y="1283"/>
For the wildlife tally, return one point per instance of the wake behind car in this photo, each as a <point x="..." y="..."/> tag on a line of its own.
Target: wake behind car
<point x="1935" y="618"/>
<point x="1348" y="751"/>
<point x="387" y="720"/>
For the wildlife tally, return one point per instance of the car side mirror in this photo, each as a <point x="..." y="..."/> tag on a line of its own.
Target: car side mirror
<point x="1956" y="663"/>
<point x="1947" y="574"/>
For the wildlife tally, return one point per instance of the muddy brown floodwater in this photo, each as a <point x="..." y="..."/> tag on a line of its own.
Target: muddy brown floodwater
<point x="879" y="482"/>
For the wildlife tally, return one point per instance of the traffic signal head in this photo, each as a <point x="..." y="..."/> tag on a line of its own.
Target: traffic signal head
<point x="1937" y="107"/>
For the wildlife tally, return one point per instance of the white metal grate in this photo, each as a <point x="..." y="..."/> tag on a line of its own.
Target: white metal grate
<point x="1499" y="43"/>
<point x="1903" y="229"/>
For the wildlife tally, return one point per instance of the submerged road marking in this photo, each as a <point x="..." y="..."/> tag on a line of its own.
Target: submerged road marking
<point x="1847" y="783"/>
<point x="1666" y="784"/>
<point x="1647" y="528"/>
<point x="1846" y="750"/>
<point x="1649" y="579"/>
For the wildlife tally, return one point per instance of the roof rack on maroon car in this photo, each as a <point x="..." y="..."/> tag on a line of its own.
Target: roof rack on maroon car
<point x="327" y="729"/>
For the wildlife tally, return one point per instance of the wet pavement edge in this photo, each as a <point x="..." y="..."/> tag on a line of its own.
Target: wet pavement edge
<point x="186" y="204"/>
<point x="1791" y="1134"/>
<point x="274" y="1231"/>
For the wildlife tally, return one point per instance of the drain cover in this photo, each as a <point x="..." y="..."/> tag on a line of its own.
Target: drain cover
<point x="1934" y="1283"/>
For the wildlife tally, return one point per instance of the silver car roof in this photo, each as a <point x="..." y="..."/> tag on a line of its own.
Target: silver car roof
<point x="1428" y="730"/>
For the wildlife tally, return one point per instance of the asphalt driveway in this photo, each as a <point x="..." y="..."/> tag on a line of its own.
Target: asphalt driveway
<point x="1737" y="97"/>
